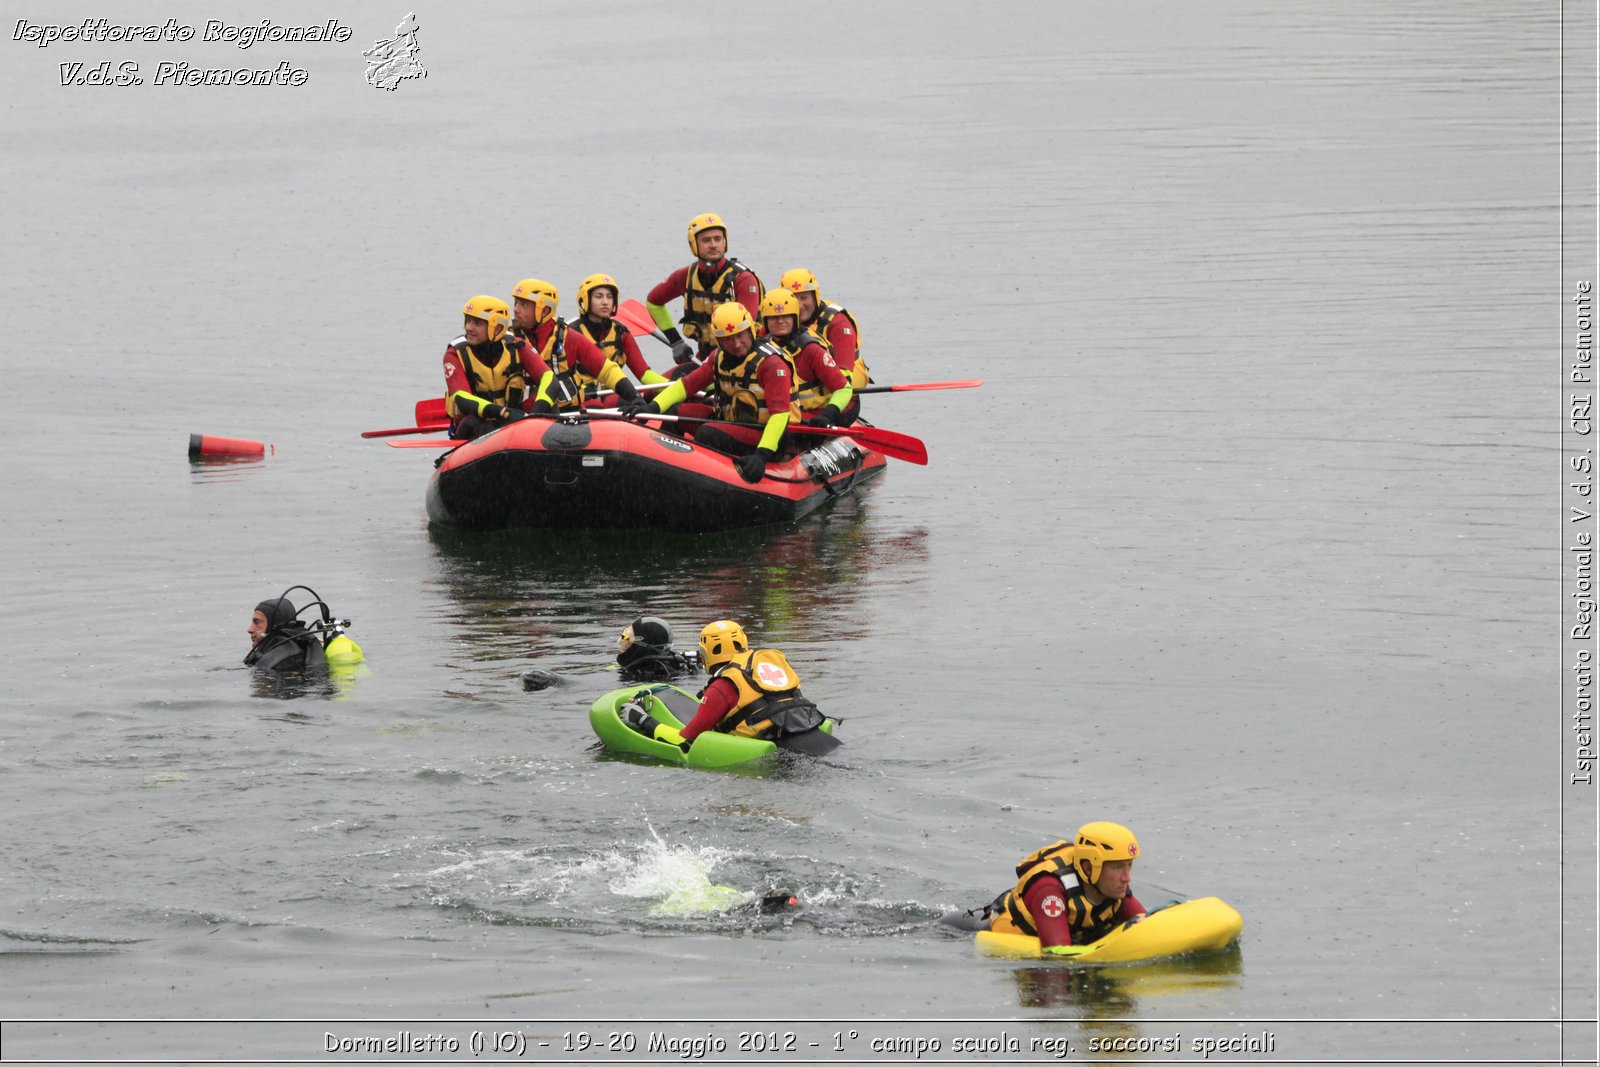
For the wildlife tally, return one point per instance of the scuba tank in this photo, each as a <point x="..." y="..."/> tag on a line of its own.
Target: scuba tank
<point x="837" y="455"/>
<point x="337" y="649"/>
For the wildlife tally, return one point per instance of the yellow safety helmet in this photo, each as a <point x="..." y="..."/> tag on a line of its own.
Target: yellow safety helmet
<point x="597" y="281"/>
<point x="1099" y="843"/>
<point x="490" y="309"/>
<point x="707" y="221"/>
<point x="800" y="280"/>
<point x="720" y="642"/>
<point x="729" y="319"/>
<point x="540" y="293"/>
<point x="780" y="301"/>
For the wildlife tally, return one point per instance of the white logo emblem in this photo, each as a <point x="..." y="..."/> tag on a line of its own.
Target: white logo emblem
<point x="393" y="61"/>
<point x="672" y="443"/>
<point x="1053" y="906"/>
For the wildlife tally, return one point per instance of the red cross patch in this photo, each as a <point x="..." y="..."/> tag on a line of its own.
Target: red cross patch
<point x="1053" y="906"/>
<point x="772" y="676"/>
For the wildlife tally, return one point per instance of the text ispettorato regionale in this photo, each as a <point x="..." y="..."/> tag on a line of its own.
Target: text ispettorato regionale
<point x="102" y="31"/>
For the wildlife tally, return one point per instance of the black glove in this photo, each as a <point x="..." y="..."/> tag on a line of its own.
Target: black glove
<point x="543" y="407"/>
<point x="511" y="413"/>
<point x="682" y="351"/>
<point x="828" y="416"/>
<point x="753" y="468"/>
<point x="625" y="390"/>
<point x="639" y="406"/>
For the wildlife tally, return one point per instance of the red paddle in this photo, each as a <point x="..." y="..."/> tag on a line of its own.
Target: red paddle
<point x="895" y="445"/>
<point x="970" y="383"/>
<point x="636" y="317"/>
<point x="431" y="417"/>
<point x="400" y="431"/>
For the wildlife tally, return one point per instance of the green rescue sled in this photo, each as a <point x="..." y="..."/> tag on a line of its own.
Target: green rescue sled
<point x="711" y="750"/>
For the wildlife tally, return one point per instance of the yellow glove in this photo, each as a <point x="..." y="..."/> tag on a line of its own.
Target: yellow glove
<point x="1063" y="950"/>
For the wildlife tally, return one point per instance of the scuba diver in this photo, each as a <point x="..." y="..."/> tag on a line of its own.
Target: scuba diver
<point x="1067" y="894"/>
<point x="282" y="643"/>
<point x="644" y="654"/>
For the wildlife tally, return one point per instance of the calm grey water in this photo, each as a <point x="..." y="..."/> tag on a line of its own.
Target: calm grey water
<point x="1248" y="541"/>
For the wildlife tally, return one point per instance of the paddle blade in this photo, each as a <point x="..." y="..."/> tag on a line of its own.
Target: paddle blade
<point x="636" y="317"/>
<point x="431" y="417"/>
<point x="899" y="446"/>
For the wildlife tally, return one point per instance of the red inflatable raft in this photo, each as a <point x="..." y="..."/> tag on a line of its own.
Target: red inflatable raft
<point x="583" y="472"/>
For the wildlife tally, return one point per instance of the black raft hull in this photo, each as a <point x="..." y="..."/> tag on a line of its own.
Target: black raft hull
<point x="611" y="473"/>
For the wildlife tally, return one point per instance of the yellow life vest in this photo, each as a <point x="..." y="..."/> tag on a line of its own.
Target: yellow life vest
<point x="567" y="378"/>
<point x="700" y="299"/>
<point x="1088" y="922"/>
<point x="570" y="384"/>
<point x="492" y="383"/>
<point x="856" y="373"/>
<point x="738" y="394"/>
<point x="609" y="340"/>
<point x="810" y="394"/>
<point x="770" y="703"/>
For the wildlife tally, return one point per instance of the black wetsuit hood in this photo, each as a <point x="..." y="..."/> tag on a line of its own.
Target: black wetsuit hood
<point x="287" y="644"/>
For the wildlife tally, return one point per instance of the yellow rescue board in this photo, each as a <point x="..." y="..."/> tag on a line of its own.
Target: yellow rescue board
<point x="1193" y="926"/>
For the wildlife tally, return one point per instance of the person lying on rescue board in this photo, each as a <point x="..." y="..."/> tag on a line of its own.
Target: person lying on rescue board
<point x="1067" y="893"/>
<point x="752" y="693"/>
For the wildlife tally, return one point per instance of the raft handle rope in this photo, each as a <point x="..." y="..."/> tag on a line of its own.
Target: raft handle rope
<point x="857" y="459"/>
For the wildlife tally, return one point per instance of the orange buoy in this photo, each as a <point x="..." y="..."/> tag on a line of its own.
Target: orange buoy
<point x="203" y="445"/>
